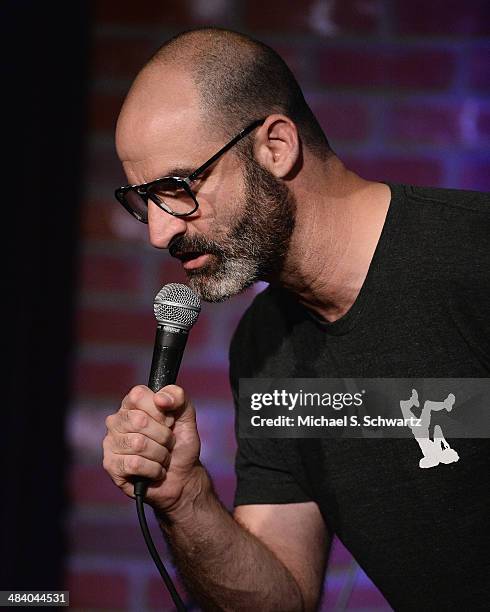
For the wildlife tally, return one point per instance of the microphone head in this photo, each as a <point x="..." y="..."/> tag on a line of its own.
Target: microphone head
<point x="177" y="305"/>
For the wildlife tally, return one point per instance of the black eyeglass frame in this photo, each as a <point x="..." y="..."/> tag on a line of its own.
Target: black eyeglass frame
<point x="179" y="181"/>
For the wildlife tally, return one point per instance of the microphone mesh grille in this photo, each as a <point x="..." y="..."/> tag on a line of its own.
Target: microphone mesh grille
<point x="178" y="305"/>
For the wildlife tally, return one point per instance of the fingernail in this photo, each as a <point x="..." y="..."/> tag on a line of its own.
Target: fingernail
<point x="167" y="396"/>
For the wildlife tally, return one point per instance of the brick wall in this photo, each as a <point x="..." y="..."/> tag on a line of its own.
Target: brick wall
<point x="402" y="91"/>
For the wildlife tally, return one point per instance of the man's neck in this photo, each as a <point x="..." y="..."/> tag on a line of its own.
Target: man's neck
<point x="338" y="226"/>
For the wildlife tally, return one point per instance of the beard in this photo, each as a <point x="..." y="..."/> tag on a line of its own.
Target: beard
<point x="254" y="247"/>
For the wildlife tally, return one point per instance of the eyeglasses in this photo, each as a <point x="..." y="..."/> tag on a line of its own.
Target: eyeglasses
<point x="173" y="194"/>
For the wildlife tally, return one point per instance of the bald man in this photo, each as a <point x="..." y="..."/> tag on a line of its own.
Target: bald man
<point x="233" y="175"/>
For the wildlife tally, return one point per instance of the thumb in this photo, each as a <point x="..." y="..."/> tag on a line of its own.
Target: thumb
<point x="173" y="398"/>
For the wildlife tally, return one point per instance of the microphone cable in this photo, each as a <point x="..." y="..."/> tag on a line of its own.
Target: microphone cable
<point x="140" y="491"/>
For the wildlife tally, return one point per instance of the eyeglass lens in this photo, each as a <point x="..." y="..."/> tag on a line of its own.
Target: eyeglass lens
<point x="137" y="204"/>
<point x="169" y="194"/>
<point x="173" y="195"/>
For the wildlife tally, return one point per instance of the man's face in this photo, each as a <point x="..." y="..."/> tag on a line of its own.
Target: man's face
<point x="241" y="231"/>
<point x="250" y="246"/>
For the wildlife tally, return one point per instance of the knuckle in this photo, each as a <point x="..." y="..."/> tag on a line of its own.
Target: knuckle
<point x="138" y="419"/>
<point x="109" y="420"/>
<point x="136" y="394"/>
<point x="134" y="463"/>
<point x="138" y="442"/>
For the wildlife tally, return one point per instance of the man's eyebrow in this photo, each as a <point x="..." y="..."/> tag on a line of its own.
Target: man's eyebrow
<point x="180" y="171"/>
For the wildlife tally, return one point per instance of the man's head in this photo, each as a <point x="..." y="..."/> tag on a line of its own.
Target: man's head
<point x="196" y="93"/>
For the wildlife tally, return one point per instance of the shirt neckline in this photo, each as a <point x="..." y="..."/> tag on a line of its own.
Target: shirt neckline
<point x="369" y="287"/>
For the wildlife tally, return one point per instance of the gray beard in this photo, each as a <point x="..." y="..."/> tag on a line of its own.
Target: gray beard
<point x="254" y="249"/>
<point x="231" y="277"/>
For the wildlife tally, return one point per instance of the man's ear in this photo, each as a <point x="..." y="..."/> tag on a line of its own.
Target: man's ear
<point x="277" y="145"/>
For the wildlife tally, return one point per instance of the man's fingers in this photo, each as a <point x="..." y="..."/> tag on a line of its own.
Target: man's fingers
<point x="125" y="466"/>
<point x="142" y="398"/>
<point x="139" y="437"/>
<point x="139" y="422"/>
<point x="172" y="397"/>
<point x="155" y="404"/>
<point x="137" y="444"/>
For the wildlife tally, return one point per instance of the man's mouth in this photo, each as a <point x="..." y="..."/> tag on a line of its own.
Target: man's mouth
<point x="192" y="260"/>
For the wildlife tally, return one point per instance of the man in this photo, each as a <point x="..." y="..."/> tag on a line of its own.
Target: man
<point x="366" y="279"/>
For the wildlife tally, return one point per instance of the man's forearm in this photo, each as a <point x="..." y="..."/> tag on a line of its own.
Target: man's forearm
<point x="223" y="564"/>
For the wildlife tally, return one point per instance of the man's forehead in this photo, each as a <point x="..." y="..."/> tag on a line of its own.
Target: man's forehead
<point x="142" y="134"/>
<point x="144" y="171"/>
<point x="149" y="158"/>
<point x="160" y="120"/>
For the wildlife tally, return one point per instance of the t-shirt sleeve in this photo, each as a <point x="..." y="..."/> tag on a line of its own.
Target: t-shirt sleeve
<point x="265" y="468"/>
<point x="262" y="474"/>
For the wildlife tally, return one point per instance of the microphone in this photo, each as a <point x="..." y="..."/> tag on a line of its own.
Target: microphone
<point x="176" y="309"/>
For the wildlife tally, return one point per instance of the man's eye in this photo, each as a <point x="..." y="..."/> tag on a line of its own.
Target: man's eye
<point x="168" y="191"/>
<point x="166" y="194"/>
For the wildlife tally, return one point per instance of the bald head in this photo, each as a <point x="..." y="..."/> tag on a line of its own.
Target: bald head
<point x="161" y="107"/>
<point x="228" y="80"/>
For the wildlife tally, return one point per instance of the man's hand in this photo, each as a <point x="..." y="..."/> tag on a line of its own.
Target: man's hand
<point x="153" y="435"/>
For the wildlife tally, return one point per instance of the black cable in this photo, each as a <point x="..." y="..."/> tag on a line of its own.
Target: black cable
<point x="140" y="508"/>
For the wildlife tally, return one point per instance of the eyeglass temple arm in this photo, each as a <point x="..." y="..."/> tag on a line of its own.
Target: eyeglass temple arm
<point x="227" y="146"/>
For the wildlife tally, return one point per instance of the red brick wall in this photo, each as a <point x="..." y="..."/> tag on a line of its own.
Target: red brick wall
<point x="402" y="91"/>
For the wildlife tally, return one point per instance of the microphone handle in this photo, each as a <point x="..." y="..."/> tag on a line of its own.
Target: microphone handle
<point x="167" y="355"/>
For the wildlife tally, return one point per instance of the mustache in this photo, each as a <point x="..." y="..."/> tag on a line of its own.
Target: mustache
<point x="182" y="245"/>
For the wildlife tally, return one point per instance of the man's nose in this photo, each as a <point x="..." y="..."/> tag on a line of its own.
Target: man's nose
<point x="162" y="227"/>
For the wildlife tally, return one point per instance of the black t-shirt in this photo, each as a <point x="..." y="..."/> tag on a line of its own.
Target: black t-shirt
<point x="422" y="535"/>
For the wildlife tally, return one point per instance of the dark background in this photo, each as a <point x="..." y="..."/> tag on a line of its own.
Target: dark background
<point x="402" y="91"/>
<point x="46" y="88"/>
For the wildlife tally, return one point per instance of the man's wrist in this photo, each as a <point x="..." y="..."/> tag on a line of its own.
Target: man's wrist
<point x="194" y="492"/>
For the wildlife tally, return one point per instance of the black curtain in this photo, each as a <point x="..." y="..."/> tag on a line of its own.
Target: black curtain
<point x="45" y="63"/>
